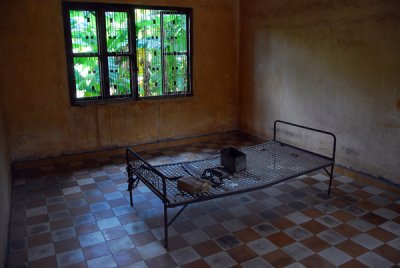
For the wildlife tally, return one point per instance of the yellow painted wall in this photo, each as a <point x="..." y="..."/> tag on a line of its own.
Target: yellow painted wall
<point x="333" y="65"/>
<point x="40" y="120"/>
<point x="328" y="64"/>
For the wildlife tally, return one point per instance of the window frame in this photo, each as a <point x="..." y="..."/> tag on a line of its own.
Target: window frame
<point x="102" y="53"/>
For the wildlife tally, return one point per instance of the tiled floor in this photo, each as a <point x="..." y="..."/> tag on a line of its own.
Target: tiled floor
<point x="77" y="214"/>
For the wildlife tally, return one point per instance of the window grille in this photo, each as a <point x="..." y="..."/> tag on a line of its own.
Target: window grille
<point x="127" y="52"/>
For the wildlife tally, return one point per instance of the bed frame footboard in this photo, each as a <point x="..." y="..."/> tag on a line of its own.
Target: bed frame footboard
<point x="333" y="152"/>
<point x="139" y="169"/>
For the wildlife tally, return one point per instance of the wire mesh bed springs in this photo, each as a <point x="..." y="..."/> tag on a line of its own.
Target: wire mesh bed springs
<point x="267" y="164"/>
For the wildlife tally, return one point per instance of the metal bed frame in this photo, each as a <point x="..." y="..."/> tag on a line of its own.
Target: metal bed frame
<point x="268" y="164"/>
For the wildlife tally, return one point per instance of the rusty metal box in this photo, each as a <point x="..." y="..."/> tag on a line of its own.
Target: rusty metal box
<point x="233" y="159"/>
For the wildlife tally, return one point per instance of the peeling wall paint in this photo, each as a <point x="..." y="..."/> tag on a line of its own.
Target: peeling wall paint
<point x="40" y="120"/>
<point x="327" y="64"/>
<point x="332" y="65"/>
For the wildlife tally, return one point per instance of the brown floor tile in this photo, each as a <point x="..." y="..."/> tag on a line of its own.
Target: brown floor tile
<point x="95" y="251"/>
<point x="60" y="224"/>
<point x="222" y="215"/>
<point x="161" y="261"/>
<point x="44" y="263"/>
<point x="86" y="228"/>
<point x="104" y="214"/>
<point x="36" y="203"/>
<point x="193" y="212"/>
<point x="128" y="218"/>
<point x="353" y="264"/>
<point x="37" y="219"/>
<point x="253" y="220"/>
<point x="351" y="248"/>
<point x="346" y="230"/>
<point x="284" y="209"/>
<point x="367" y="205"/>
<point x="312" y="212"/>
<point x="362" y="194"/>
<point x="310" y="181"/>
<point x="142" y="238"/>
<point x="316" y="261"/>
<point x="280" y="239"/>
<point x="114" y="233"/>
<point x="315" y="243"/>
<point x="393" y="206"/>
<point x="63" y="174"/>
<point x="381" y="234"/>
<point x="247" y="235"/>
<point x="282" y="223"/>
<point x="342" y="215"/>
<point x="74" y="196"/>
<point x="258" y="195"/>
<point x="66" y="245"/>
<point x="175" y="242"/>
<point x="207" y="248"/>
<point x="314" y="226"/>
<point x="78" y="265"/>
<point x="278" y="258"/>
<point x="127" y="257"/>
<point x="215" y="230"/>
<point x="391" y="193"/>
<point x="389" y="253"/>
<point x="397" y="220"/>
<point x="38" y="240"/>
<point x="56" y="207"/>
<point x="79" y="210"/>
<point x="184" y="226"/>
<point x="241" y="253"/>
<point x="337" y="191"/>
<point x="118" y="202"/>
<point x="95" y="199"/>
<point x="373" y="218"/>
<point x="340" y="203"/>
<point x="196" y="264"/>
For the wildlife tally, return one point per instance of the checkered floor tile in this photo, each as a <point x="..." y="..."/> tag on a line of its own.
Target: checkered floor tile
<point x="77" y="214"/>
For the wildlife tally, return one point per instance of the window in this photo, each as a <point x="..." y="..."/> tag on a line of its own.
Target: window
<point x="127" y="52"/>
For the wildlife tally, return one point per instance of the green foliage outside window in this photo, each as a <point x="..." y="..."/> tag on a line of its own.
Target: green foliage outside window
<point x="161" y="52"/>
<point x="117" y="31"/>
<point x="119" y="75"/>
<point x="161" y="71"/>
<point x="83" y="31"/>
<point x="87" y="77"/>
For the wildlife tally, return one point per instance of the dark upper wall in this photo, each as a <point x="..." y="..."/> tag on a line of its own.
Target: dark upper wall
<point x="40" y="119"/>
<point x="329" y="64"/>
<point x="5" y="189"/>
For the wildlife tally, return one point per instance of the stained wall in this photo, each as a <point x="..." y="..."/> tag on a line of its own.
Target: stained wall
<point x="40" y="120"/>
<point x="332" y="65"/>
<point x="5" y="190"/>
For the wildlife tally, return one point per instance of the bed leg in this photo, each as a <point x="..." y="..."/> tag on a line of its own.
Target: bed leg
<point x="330" y="180"/>
<point x="131" y="198"/>
<point x="165" y="227"/>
